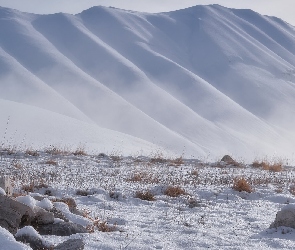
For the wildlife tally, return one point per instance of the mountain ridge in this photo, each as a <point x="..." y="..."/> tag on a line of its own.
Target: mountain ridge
<point x="215" y="79"/>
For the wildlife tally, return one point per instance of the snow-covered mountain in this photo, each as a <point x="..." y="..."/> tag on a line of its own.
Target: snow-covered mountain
<point x="202" y="81"/>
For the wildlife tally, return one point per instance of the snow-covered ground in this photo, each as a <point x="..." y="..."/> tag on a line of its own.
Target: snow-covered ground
<point x="209" y="215"/>
<point x="134" y="91"/>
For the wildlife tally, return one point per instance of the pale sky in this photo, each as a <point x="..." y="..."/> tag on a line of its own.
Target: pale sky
<point x="284" y="9"/>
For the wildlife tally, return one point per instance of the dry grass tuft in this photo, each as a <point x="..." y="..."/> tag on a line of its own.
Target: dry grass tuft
<point x="177" y="161"/>
<point x="31" y="152"/>
<point x="136" y="177"/>
<point x="82" y="192"/>
<point x="174" y="191"/>
<point x="51" y="162"/>
<point x="105" y="227"/>
<point x="147" y="195"/>
<point x="241" y="184"/>
<point x="53" y="150"/>
<point x="265" y="165"/>
<point x="144" y="177"/>
<point x="33" y="186"/>
<point x="80" y="151"/>
<point x="292" y="189"/>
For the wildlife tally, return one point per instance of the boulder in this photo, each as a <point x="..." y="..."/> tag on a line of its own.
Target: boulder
<point x="61" y="229"/>
<point x="285" y="217"/>
<point x="58" y="214"/>
<point x="42" y="217"/>
<point x="72" y="244"/>
<point x="5" y="184"/>
<point x="227" y="159"/>
<point x="14" y="214"/>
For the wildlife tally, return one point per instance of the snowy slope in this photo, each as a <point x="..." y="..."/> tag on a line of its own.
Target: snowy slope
<point x="206" y="80"/>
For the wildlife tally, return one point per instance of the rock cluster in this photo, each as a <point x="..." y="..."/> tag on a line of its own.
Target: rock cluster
<point x="15" y="215"/>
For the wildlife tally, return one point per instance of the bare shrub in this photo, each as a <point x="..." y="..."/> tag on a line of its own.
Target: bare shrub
<point x="145" y="195"/>
<point x="174" y="191"/>
<point x="241" y="184"/>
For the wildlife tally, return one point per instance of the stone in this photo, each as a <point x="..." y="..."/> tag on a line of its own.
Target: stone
<point x="61" y="229"/>
<point x="71" y="244"/>
<point x="227" y="159"/>
<point x="42" y="217"/>
<point x="34" y="242"/>
<point x="14" y="214"/>
<point x="285" y="217"/>
<point x="59" y="214"/>
<point x="6" y="185"/>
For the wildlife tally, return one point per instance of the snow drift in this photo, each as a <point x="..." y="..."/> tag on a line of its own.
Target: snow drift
<point x="202" y="81"/>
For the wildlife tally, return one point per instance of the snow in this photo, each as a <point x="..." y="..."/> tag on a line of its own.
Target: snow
<point x="27" y="200"/>
<point x="45" y="204"/>
<point x="2" y="191"/>
<point x="134" y="91"/>
<point x="9" y="243"/>
<point x="28" y="230"/>
<point x="203" y="81"/>
<point x="210" y="213"/>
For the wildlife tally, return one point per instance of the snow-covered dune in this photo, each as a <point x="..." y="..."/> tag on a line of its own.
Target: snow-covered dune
<point x="206" y="80"/>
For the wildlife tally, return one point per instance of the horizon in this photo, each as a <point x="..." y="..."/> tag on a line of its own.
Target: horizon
<point x="282" y="9"/>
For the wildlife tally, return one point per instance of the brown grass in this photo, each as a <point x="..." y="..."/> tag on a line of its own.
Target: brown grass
<point x="31" y="152"/>
<point x="241" y="184"/>
<point x="265" y="165"/>
<point x="105" y="227"/>
<point x="51" y="162"/>
<point x="292" y="189"/>
<point x="80" y="151"/>
<point x="136" y="177"/>
<point x="33" y="186"/>
<point x="174" y="191"/>
<point x="177" y="161"/>
<point x="82" y="192"/>
<point x="53" y="150"/>
<point x="147" y="195"/>
<point x="143" y="177"/>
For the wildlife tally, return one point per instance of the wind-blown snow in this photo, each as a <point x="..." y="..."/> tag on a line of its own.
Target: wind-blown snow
<point x="202" y="81"/>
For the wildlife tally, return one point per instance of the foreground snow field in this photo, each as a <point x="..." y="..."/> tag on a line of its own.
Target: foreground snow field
<point x="209" y="215"/>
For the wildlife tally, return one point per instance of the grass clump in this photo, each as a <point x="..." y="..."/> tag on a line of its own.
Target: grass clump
<point x="241" y="184"/>
<point x="145" y="195"/>
<point x="265" y="165"/>
<point x="174" y="191"/>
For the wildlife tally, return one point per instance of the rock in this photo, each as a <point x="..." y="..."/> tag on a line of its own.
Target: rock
<point x="72" y="244"/>
<point x="59" y="214"/>
<point x="34" y="242"/>
<point x="43" y="217"/>
<point x="227" y="159"/>
<point x="14" y="214"/>
<point x="5" y="184"/>
<point x="61" y="229"/>
<point x="285" y="217"/>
